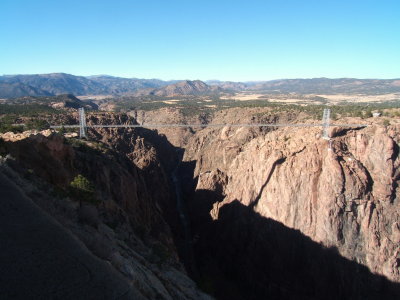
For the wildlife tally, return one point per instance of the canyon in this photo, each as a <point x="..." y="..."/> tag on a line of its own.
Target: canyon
<point x="231" y="212"/>
<point x="290" y="218"/>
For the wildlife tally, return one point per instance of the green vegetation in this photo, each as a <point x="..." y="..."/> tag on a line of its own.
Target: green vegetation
<point x="386" y="122"/>
<point x="37" y="124"/>
<point x="28" y="110"/>
<point x="33" y="116"/>
<point x="368" y="113"/>
<point x="77" y="143"/>
<point x="7" y="124"/>
<point x="193" y="105"/>
<point x="88" y="147"/>
<point x="10" y="128"/>
<point x="19" y="117"/>
<point x="82" y="189"/>
<point x="82" y="183"/>
<point x="391" y="113"/>
<point x="62" y="130"/>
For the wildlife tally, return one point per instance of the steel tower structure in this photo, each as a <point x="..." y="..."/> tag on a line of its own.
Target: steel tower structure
<point x="82" y="123"/>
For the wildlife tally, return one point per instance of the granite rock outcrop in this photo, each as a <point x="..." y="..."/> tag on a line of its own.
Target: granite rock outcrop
<point x="343" y="197"/>
<point x="128" y="222"/>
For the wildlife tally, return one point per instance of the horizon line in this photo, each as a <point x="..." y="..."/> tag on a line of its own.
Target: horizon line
<point x="204" y="80"/>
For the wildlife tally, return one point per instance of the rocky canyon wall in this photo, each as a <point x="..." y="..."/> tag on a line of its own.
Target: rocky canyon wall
<point x="283" y="214"/>
<point x="276" y="213"/>
<point x="127" y="220"/>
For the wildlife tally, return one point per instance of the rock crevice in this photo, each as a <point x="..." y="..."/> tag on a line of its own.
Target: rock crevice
<point x="345" y="198"/>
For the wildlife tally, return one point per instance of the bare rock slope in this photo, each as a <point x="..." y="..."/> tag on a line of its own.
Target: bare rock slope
<point x="122" y="228"/>
<point x="44" y="260"/>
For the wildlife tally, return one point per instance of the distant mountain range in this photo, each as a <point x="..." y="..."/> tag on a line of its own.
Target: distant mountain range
<point x="329" y="86"/>
<point x="13" y="86"/>
<point x="19" y="89"/>
<point x="119" y="85"/>
<point x="50" y="85"/>
<point x="185" y="87"/>
<point x="61" y="83"/>
<point x="230" y="85"/>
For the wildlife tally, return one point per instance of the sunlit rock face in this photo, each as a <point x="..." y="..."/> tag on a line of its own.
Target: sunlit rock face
<point x="274" y="213"/>
<point x="343" y="197"/>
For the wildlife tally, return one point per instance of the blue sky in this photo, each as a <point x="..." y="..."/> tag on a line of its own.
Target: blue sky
<point x="226" y="40"/>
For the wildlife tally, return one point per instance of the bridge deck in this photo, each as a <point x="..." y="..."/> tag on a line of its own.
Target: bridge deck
<point x="205" y="125"/>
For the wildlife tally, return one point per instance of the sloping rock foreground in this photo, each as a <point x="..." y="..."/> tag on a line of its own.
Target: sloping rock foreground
<point x="109" y="240"/>
<point x="41" y="259"/>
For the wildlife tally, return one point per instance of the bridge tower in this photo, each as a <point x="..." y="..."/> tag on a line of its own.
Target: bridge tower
<point x="326" y="118"/>
<point x="325" y="123"/>
<point x="82" y="123"/>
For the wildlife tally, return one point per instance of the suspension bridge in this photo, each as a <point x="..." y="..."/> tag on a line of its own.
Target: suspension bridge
<point x="325" y="125"/>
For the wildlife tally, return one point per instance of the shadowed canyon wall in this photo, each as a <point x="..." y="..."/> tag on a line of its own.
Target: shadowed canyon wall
<point x="273" y="213"/>
<point x="281" y="214"/>
<point x="127" y="221"/>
